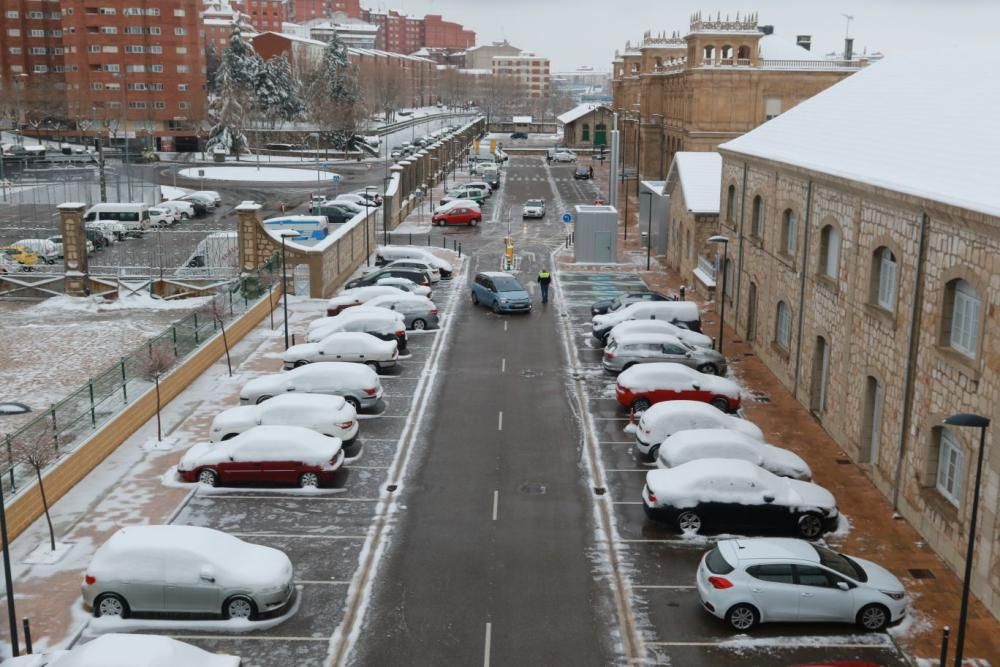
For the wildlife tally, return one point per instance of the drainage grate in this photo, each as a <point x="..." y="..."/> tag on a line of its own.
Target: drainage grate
<point x="748" y="354"/>
<point x="759" y="397"/>
<point x="921" y="573"/>
<point x="844" y="462"/>
<point x="532" y="488"/>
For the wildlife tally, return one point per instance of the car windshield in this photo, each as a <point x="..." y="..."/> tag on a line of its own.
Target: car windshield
<point x="507" y="284"/>
<point x="534" y="202"/>
<point x="840" y="563"/>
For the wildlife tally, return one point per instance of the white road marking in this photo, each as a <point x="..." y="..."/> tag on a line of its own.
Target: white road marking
<point x="626" y="470"/>
<point x="778" y="641"/>
<point x="505" y="325"/>
<point x="664" y="586"/>
<point x="325" y="583"/>
<point x="486" y="648"/>
<point x="290" y="497"/>
<point x="503" y="365"/>
<point x="626" y="502"/>
<point x="301" y="536"/>
<point x="500" y="421"/>
<point x="616" y="442"/>
<point x="241" y="636"/>
<point x="496" y="502"/>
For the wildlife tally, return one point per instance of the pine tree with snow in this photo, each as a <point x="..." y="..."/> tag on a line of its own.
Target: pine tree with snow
<point x="277" y="90"/>
<point x="334" y="97"/>
<point x="234" y="83"/>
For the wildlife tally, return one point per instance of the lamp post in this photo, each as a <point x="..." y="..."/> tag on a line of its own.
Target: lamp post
<point x="649" y="226"/>
<point x="8" y="582"/>
<point x="722" y="309"/>
<point x="284" y="281"/>
<point x="659" y="173"/>
<point x="368" y="251"/>
<point x="128" y="171"/>
<point x="385" y="210"/>
<point x="982" y="423"/>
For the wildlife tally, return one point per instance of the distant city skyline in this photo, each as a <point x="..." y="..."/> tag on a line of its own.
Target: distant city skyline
<point x="587" y="32"/>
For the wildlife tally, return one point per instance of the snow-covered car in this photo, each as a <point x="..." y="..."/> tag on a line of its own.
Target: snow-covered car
<point x="358" y="384"/>
<point x="45" y="249"/>
<point x="212" y="194"/>
<point x="57" y="241"/>
<point x="417" y="265"/>
<point x="736" y="496"/>
<point x="418" y="312"/>
<point x="680" y="313"/>
<point x="379" y="322"/>
<point x="267" y="454"/>
<point x="183" y="210"/>
<point x="406" y="286"/>
<point x="642" y="348"/>
<point x="457" y="203"/>
<point x="374" y="198"/>
<point x="161" y="216"/>
<point x="127" y="650"/>
<point x="353" y="346"/>
<point x="533" y="208"/>
<point x="9" y="265"/>
<point x="184" y="570"/>
<point x="643" y="385"/>
<point x="603" y="306"/>
<point x="664" y="419"/>
<point x="355" y="297"/>
<point x="359" y="200"/>
<point x="747" y="581"/>
<point x="658" y="326"/>
<point x="386" y="254"/>
<point x="330" y="415"/>
<point x="724" y="443"/>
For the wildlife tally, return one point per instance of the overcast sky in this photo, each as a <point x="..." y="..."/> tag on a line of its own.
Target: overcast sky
<point x="586" y="32"/>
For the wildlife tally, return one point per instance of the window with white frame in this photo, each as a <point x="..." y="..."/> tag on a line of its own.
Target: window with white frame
<point x="180" y="32"/>
<point x="36" y="33"/>
<point x="13" y="32"/>
<point x="181" y="50"/>
<point x="965" y="307"/>
<point x="183" y="69"/>
<point x="886" y="294"/>
<point x="156" y="68"/>
<point x="829" y="251"/>
<point x="950" y="467"/>
<point x="178" y="12"/>
<point x="789" y="232"/>
<point x="15" y="50"/>
<point x="783" y="325"/>
<point x="12" y="13"/>
<point x="40" y="69"/>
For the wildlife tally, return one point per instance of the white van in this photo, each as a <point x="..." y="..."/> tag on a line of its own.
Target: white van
<point x="44" y="248"/>
<point x="386" y="254"/>
<point x="134" y="217"/>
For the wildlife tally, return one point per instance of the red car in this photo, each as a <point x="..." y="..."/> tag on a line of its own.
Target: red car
<point x="643" y="385"/>
<point x="459" y="216"/>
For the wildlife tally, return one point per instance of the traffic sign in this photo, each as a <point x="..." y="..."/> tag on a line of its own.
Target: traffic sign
<point x="567" y="217"/>
<point x="337" y="178"/>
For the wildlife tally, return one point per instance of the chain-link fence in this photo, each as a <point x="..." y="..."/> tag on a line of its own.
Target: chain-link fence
<point x="68" y="423"/>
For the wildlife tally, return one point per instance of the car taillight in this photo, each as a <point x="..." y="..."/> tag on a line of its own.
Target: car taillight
<point x="434" y="312"/>
<point x="90" y="580"/>
<point x="346" y="425"/>
<point x="401" y="332"/>
<point x="371" y="392"/>
<point x="720" y="582"/>
<point x="609" y="355"/>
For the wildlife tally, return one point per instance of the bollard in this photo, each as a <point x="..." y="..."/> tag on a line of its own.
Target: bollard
<point x="196" y="341"/>
<point x="682" y="292"/>
<point x="27" y="634"/>
<point x="444" y="243"/>
<point x="93" y="414"/>
<point x="293" y="339"/>
<point x="459" y="249"/>
<point x="411" y="238"/>
<point x="428" y="239"/>
<point x="124" y="381"/>
<point x="454" y="244"/>
<point x="945" y="633"/>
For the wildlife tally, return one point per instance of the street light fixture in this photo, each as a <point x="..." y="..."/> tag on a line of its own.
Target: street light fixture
<point x="722" y="309"/>
<point x="966" y="420"/>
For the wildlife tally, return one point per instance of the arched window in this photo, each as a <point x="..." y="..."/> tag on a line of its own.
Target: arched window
<point x="743" y="53"/>
<point x="829" y="251"/>
<point x="757" y="222"/>
<point x="659" y="64"/>
<point x="731" y="205"/>
<point x="635" y="68"/>
<point x="586" y="132"/>
<point x="709" y="54"/>
<point x="789" y="232"/>
<point x="962" y="307"/>
<point x="783" y="326"/>
<point x="726" y="54"/>
<point x="883" y="288"/>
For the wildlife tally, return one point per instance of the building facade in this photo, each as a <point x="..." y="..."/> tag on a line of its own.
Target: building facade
<point x="397" y="33"/>
<point x="301" y="11"/>
<point x="586" y="125"/>
<point x="352" y="32"/>
<point x="531" y="71"/>
<point x="868" y="281"/>
<point x="439" y="33"/>
<point x="693" y="187"/>
<point x="264" y="14"/>
<point x="481" y="57"/>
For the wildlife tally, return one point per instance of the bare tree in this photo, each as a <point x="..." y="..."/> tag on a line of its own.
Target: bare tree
<point x="157" y="362"/>
<point x="217" y="309"/>
<point x="383" y="87"/>
<point x="38" y="451"/>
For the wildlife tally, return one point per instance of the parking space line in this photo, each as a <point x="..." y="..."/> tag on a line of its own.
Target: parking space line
<point x="239" y="496"/>
<point x="242" y="636"/>
<point x="503" y="365"/>
<point x="610" y="419"/>
<point x="616" y="442"/>
<point x="505" y="325"/>
<point x="496" y="502"/>
<point x="322" y="582"/>
<point x="778" y="642"/>
<point x="486" y="647"/>
<point x="626" y="502"/>
<point x="678" y="587"/>
<point x="301" y="536"/>
<point x="354" y="467"/>
<point x="627" y="470"/>
<point x="500" y="421"/>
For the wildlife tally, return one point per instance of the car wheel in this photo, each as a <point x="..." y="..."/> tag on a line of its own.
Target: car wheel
<point x="475" y="299"/>
<point x="689" y="522"/>
<point x="50" y="261"/>
<point x="720" y="403"/>
<point x="262" y="399"/>
<point x="208" y="476"/>
<point x="742" y="617"/>
<point x="372" y="365"/>
<point x="810" y="526"/>
<point x="440" y="223"/>
<point x="239" y="606"/>
<point x="353" y="402"/>
<point x="496" y="307"/>
<point x="229" y="436"/>
<point x="111" y="604"/>
<point x="654" y="452"/>
<point x="419" y="324"/>
<point x="873" y="617"/>
<point x="710" y="369"/>
<point x="473" y="223"/>
<point x="309" y="480"/>
<point x="640" y="405"/>
<point x="300" y="363"/>
<point x="185" y="216"/>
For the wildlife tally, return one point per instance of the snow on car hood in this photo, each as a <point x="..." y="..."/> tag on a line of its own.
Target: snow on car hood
<point x="266" y="443"/>
<point x="137" y="650"/>
<point x="668" y="417"/>
<point x="300" y="351"/>
<point x="878" y="576"/>
<point x="240" y="417"/>
<point x="807" y="494"/>
<point x="786" y="463"/>
<point x="663" y="375"/>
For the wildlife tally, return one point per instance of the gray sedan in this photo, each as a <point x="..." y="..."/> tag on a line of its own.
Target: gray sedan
<point x="631" y="349"/>
<point x="418" y="312"/>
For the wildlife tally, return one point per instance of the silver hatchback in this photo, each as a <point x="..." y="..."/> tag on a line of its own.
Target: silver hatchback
<point x="631" y="349"/>
<point x="418" y="312"/>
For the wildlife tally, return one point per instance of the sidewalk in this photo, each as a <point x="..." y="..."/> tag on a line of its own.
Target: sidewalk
<point x="875" y="534"/>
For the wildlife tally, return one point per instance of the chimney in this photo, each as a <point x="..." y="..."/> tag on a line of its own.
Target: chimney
<point x="766" y="29"/>
<point x="805" y="41"/>
<point x="848" y="48"/>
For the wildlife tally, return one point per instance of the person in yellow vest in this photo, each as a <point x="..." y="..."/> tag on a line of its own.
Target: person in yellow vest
<point x="544" y="279"/>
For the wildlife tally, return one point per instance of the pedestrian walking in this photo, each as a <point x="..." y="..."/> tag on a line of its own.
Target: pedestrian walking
<point x="544" y="279"/>
<point x="591" y="173"/>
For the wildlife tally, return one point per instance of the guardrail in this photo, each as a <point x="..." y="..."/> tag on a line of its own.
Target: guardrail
<point x="707" y="267"/>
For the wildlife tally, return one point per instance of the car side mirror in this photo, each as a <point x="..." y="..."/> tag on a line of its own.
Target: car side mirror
<point x="687" y="354"/>
<point x="843" y="585"/>
<point x="768" y="498"/>
<point x="696" y="386"/>
<point x="322" y="352"/>
<point x="207" y="573"/>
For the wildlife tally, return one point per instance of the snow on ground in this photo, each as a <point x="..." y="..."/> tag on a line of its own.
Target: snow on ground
<point x="252" y="173"/>
<point x="170" y="192"/>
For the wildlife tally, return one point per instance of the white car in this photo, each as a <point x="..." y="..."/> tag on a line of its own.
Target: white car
<point x="658" y="326"/>
<point x="161" y="217"/>
<point x="330" y="415"/>
<point x="564" y="156"/>
<point x="723" y="443"/>
<point x="455" y="203"/>
<point x="359" y="200"/>
<point x="266" y="454"/>
<point x="728" y="495"/>
<point x="680" y="313"/>
<point x="406" y="285"/>
<point x="419" y="265"/>
<point x="386" y="254"/>
<point x="533" y="208"/>
<point x="748" y="581"/>
<point x="183" y="210"/>
<point x="418" y="312"/>
<point x="353" y="346"/>
<point x="358" y="384"/>
<point x="57" y="241"/>
<point x="127" y="650"/>
<point x="379" y="322"/>
<point x="664" y="419"/>
<point x="356" y="296"/>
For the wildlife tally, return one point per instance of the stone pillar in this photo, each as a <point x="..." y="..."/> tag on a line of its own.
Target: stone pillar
<point x="249" y="229"/>
<point x="74" y="248"/>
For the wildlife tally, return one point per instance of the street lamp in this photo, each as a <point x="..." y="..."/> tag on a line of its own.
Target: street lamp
<point x="128" y="170"/>
<point x="11" y="613"/>
<point x="385" y="210"/>
<point x="368" y="251"/>
<point x="722" y="309"/>
<point x="982" y="423"/>
<point x="284" y="279"/>
<point x="649" y="227"/>
<point x="659" y="173"/>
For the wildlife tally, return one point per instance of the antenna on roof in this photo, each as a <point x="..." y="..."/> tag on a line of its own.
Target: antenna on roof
<point x="847" y="31"/>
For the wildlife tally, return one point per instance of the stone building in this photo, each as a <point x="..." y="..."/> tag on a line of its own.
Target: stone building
<point x="724" y="78"/>
<point x="693" y="187"/>
<point x="866" y="258"/>
<point x="481" y="57"/>
<point x="586" y="125"/>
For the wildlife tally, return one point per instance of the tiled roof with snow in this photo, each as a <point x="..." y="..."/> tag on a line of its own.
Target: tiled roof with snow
<point x="700" y="176"/>
<point x="919" y="124"/>
<point x="577" y="112"/>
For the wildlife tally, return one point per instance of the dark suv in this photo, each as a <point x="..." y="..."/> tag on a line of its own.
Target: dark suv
<point x="582" y="173"/>
<point x="413" y="275"/>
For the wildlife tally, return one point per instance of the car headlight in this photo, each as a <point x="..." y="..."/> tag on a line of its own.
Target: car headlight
<point x="503" y="299"/>
<point x="895" y="595"/>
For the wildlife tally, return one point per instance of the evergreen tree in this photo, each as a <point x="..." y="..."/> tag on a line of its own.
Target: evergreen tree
<point x="234" y="85"/>
<point x="335" y="97"/>
<point x="277" y="91"/>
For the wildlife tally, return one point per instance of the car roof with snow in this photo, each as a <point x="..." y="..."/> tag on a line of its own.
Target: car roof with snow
<point x="342" y="370"/>
<point x="354" y="337"/>
<point x="691" y="477"/>
<point x="365" y="291"/>
<point x="166" y="537"/>
<point x="657" y="371"/>
<point x="312" y="401"/>
<point x="402" y="297"/>
<point x="684" y="310"/>
<point x="767" y="548"/>
<point x="273" y="443"/>
<point x="138" y="650"/>
<point x="638" y="338"/>
<point x="695" y="438"/>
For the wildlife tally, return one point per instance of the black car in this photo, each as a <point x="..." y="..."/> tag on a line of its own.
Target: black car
<point x="583" y="173"/>
<point x="518" y="135"/>
<point x="419" y="277"/>
<point x="622" y="300"/>
<point x="334" y="214"/>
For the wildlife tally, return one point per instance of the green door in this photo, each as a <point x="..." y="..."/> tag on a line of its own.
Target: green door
<point x="600" y="135"/>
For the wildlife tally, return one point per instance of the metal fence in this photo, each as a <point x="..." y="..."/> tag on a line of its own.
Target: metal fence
<point x="68" y="423"/>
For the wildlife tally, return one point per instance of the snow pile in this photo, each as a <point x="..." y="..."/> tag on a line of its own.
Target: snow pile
<point x="265" y="174"/>
<point x="744" y="643"/>
<point x="128" y="650"/>
<point x="170" y="192"/>
<point x="133" y="301"/>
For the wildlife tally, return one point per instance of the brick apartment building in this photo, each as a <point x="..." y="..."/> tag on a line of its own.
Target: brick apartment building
<point x="306" y="10"/>
<point x="399" y="33"/>
<point x="107" y="61"/>
<point x="439" y="33"/>
<point x="528" y="69"/>
<point x="265" y="14"/>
